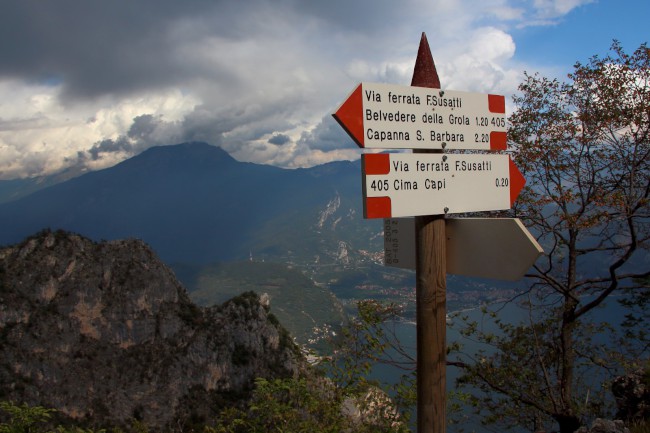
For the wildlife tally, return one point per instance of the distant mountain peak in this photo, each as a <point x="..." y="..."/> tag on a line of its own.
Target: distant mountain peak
<point x="194" y="203"/>
<point x="193" y="147"/>
<point x="183" y="154"/>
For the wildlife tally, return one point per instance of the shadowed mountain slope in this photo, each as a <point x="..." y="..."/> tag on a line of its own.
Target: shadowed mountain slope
<point x="194" y="203"/>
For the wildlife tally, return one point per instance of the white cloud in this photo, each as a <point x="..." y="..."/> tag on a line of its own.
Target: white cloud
<point x="484" y="65"/>
<point x="551" y="9"/>
<point x="38" y="134"/>
<point x="230" y="73"/>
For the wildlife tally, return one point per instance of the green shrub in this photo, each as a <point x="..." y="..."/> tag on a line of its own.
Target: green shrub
<point x="23" y="418"/>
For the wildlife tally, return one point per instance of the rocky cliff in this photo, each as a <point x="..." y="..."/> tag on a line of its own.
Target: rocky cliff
<point x="104" y="333"/>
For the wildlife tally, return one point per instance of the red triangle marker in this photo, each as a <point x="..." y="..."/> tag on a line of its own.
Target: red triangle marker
<point x="425" y="73"/>
<point x="350" y="116"/>
<point x="517" y="182"/>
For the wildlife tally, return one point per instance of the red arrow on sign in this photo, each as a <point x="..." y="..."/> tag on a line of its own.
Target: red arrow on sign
<point x="350" y="116"/>
<point x="517" y="182"/>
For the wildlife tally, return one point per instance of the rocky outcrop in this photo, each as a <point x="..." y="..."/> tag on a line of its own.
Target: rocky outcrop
<point x="632" y="393"/>
<point x="604" y="426"/>
<point x="104" y="333"/>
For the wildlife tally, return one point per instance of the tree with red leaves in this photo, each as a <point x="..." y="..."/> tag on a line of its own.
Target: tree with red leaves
<point x="584" y="148"/>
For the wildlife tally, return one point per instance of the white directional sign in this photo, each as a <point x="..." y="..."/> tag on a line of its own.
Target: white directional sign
<point x="388" y="116"/>
<point x="499" y="248"/>
<point x="399" y="184"/>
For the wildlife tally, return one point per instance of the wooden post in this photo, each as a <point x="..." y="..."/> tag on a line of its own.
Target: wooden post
<point x="431" y="286"/>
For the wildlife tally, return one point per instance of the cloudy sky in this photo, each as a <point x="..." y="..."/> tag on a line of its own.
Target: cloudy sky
<point x="90" y="83"/>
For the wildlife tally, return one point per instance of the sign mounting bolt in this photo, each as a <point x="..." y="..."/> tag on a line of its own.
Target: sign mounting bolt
<point x="446" y="210"/>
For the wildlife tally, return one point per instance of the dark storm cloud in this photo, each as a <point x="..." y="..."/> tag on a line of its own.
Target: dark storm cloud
<point x="143" y="126"/>
<point x="78" y="43"/>
<point x="115" y="47"/>
<point x="365" y="16"/>
<point x="122" y="144"/>
<point x="96" y="48"/>
<point x="327" y="135"/>
<point x="279" y="139"/>
<point x="140" y="136"/>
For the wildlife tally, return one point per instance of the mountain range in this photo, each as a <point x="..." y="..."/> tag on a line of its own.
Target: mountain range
<point x="199" y="208"/>
<point x="203" y="212"/>
<point x="224" y="226"/>
<point x="193" y="203"/>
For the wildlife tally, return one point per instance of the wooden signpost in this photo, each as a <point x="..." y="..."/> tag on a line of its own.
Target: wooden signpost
<point x="429" y="184"/>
